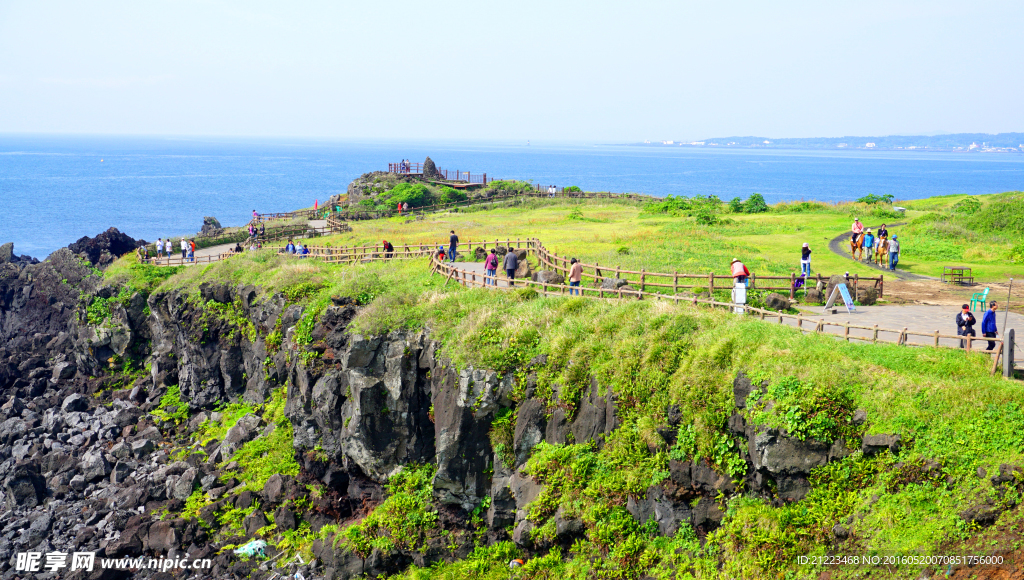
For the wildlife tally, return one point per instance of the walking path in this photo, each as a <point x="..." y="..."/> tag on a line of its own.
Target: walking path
<point x="840" y="246"/>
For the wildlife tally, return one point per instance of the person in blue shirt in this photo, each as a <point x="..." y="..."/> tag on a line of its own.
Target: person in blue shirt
<point x="869" y="243"/>
<point x="305" y="250"/>
<point x="290" y="248"/>
<point x="988" y="324"/>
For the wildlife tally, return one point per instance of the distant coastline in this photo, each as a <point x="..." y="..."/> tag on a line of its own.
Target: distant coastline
<point x="958" y="142"/>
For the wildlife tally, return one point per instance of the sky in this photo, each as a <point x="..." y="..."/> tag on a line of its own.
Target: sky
<point x="557" y="70"/>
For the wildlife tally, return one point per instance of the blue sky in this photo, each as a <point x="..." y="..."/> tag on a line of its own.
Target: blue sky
<point x="541" y="70"/>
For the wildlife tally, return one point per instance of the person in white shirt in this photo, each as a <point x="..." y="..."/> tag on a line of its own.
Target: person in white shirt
<point x="184" y="249"/>
<point x="159" y="247"/>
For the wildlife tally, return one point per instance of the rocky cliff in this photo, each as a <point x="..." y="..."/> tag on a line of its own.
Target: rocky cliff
<point x="118" y="434"/>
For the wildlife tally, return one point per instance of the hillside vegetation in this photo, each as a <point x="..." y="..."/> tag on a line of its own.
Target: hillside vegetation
<point x="672" y="369"/>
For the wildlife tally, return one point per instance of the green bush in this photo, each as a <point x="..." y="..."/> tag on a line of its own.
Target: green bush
<point x="451" y="195"/>
<point x="415" y="194"/>
<point x="573" y="189"/>
<point x="403" y="520"/>
<point x="874" y="199"/>
<point x="755" y="204"/>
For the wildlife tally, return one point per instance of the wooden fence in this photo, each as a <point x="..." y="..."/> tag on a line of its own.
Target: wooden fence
<point x="901" y="337"/>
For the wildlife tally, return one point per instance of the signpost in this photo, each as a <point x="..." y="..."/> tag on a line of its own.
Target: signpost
<point x="845" y="292"/>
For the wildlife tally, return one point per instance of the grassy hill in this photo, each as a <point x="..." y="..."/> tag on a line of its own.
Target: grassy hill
<point x="672" y="370"/>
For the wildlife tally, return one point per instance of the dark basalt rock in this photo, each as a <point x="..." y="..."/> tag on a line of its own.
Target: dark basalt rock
<point x="106" y="247"/>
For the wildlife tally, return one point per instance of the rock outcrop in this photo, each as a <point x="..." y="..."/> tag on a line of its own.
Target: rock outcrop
<point x="106" y="247"/>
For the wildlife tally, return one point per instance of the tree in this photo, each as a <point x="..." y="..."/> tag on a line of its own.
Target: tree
<point x="736" y="205"/>
<point x="756" y="204"/>
<point x="429" y="169"/>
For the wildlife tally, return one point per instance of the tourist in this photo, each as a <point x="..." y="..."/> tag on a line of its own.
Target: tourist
<point x="491" y="266"/>
<point x="142" y="254"/>
<point x="389" y="250"/>
<point x="965" y="323"/>
<point x="988" y="324"/>
<point x="440" y="253"/>
<point x="510" y="264"/>
<point x="290" y="248"/>
<point x="304" y="252"/>
<point x="255" y="215"/>
<point x="739" y="271"/>
<point x="576" y="276"/>
<point x="262" y="232"/>
<point x="858" y="229"/>
<point x="883" y="234"/>
<point x="191" y="250"/>
<point x="399" y="209"/>
<point x="238" y="248"/>
<point x="805" y="261"/>
<point x="406" y="207"/>
<point x="159" y="247"/>
<point x="869" y="242"/>
<point x="894" y="253"/>
<point x="184" y="249"/>
<point x="453" y="243"/>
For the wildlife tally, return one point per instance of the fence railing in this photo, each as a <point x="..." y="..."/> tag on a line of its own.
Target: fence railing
<point x="473" y="279"/>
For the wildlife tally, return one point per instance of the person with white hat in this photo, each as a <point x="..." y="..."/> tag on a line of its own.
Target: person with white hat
<point x="805" y="261"/>
<point x="739" y="271"/>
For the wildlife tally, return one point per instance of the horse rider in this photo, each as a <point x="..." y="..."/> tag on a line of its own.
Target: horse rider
<point x="858" y="229"/>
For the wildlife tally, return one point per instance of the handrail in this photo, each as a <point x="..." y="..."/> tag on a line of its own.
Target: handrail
<point x="470" y="279"/>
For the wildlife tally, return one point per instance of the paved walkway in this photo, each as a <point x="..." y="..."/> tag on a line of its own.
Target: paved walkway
<point x="478" y="269"/>
<point x="920" y="318"/>
<point x="840" y="245"/>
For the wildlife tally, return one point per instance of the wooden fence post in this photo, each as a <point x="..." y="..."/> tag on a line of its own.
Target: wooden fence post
<point x="792" y="283"/>
<point x="643" y="279"/>
<point x="675" y="281"/>
<point x="711" y="285"/>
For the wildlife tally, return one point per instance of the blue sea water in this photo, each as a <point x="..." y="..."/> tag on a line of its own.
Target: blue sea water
<point x="56" y="189"/>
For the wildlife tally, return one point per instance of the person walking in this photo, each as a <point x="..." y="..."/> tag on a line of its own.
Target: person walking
<point x="290" y="247"/>
<point x="989" y="329"/>
<point x="739" y="271"/>
<point x="159" y="248"/>
<point x="191" y="250"/>
<point x="491" y="266"/>
<point x="869" y="243"/>
<point x="965" y="322"/>
<point x="805" y="261"/>
<point x="304" y="252"/>
<point x="142" y="254"/>
<point x="894" y="253"/>
<point x="399" y="209"/>
<point x="184" y="249"/>
<point x="453" y="243"/>
<point x="405" y="206"/>
<point x="576" y="276"/>
<point x="510" y="264"/>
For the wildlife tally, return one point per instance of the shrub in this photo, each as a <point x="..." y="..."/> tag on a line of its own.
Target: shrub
<point x="875" y="199"/>
<point x="736" y="205"/>
<point x="755" y="204"/>
<point x="451" y="195"/>
<point x="573" y="189"/>
<point x="415" y="194"/>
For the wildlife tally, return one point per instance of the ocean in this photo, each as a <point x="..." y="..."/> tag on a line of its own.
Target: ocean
<point x="56" y="189"/>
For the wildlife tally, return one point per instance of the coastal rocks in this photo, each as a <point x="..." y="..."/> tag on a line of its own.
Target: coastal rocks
<point x="25" y="487"/>
<point x="429" y="169"/>
<point x="6" y="252"/>
<point x="867" y="295"/>
<point x="874" y="444"/>
<point x="611" y="283"/>
<point x="775" y="301"/>
<point x="211" y="227"/>
<point x="548" y="277"/>
<point x="106" y="247"/>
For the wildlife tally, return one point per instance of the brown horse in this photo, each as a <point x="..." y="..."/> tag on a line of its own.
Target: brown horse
<point x="882" y="252"/>
<point x="857" y="246"/>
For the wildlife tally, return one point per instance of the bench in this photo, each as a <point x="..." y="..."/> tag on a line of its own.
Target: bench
<point x="957" y="275"/>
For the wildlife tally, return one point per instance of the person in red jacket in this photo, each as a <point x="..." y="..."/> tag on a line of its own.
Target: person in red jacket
<point x="739" y="271"/>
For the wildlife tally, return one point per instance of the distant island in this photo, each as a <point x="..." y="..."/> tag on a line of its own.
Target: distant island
<point x="980" y="142"/>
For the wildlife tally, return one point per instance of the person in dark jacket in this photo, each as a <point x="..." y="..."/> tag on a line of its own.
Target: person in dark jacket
<point x="988" y="324"/>
<point x="453" y="243"/>
<point x="510" y="264"/>
<point x="965" y="322"/>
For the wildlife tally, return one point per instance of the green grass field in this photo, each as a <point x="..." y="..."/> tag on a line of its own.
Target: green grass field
<point x="621" y="234"/>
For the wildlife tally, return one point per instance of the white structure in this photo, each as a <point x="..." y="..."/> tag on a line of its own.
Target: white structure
<point x="869" y="145"/>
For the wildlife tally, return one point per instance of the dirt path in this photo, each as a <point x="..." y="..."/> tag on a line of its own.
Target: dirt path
<point x="839" y="244"/>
